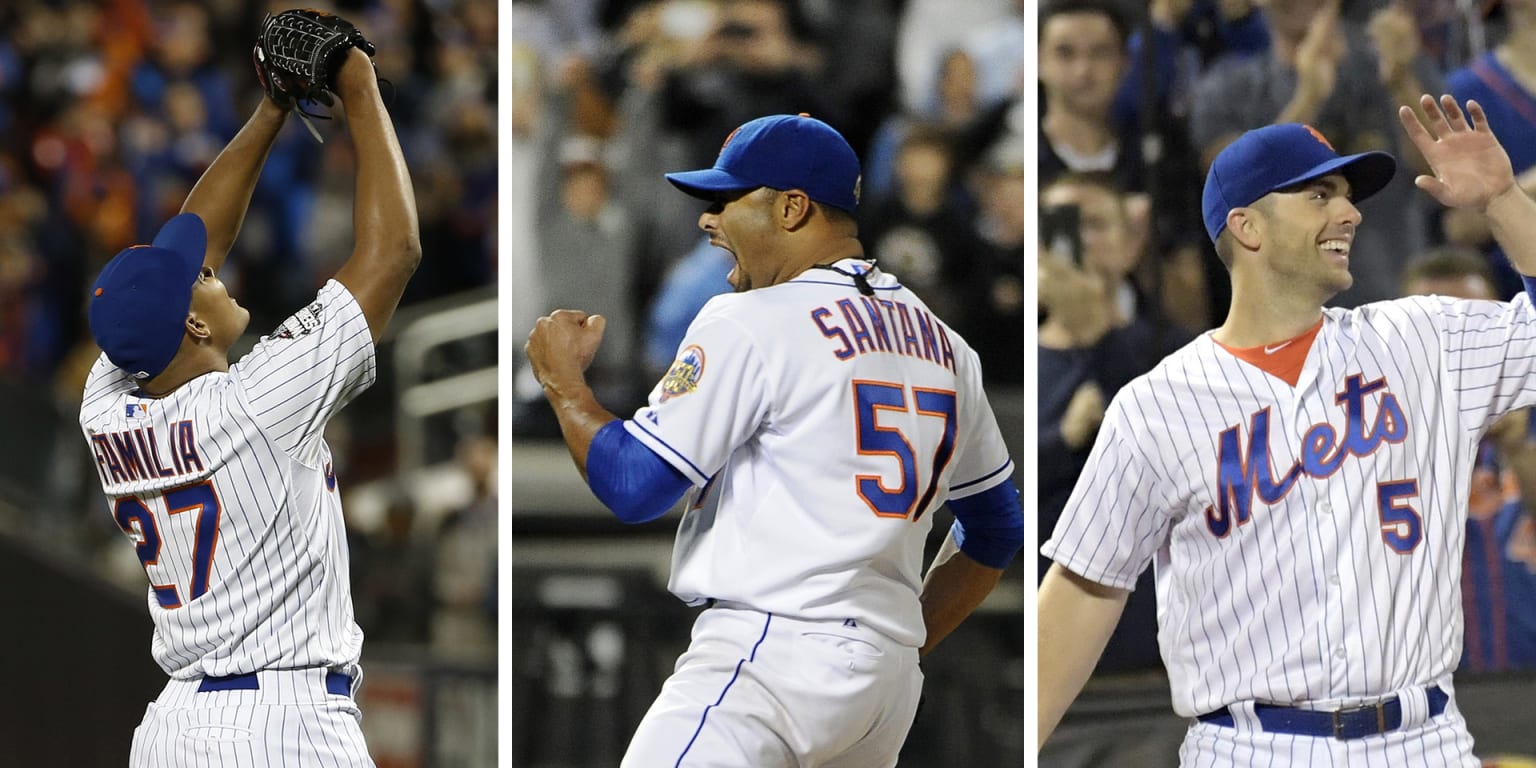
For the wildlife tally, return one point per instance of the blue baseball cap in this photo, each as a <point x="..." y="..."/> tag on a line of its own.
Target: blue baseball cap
<point x="1279" y="156"/>
<point x="781" y="152"/>
<point x="139" y="304"/>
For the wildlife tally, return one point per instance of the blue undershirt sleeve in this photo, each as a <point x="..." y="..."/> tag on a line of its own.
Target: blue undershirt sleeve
<point x="1530" y="286"/>
<point x="989" y="526"/>
<point x="630" y="479"/>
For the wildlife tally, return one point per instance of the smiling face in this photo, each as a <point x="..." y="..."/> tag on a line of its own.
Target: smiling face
<point x="212" y="304"/>
<point x="1307" y="232"/>
<point x="742" y="223"/>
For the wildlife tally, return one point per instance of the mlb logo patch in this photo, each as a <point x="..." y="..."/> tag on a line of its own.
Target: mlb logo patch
<point x="137" y="410"/>
<point x="683" y="377"/>
<point x="302" y="323"/>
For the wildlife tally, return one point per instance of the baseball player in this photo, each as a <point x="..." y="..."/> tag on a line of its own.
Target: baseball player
<point x="217" y="472"/>
<point x="817" y="417"/>
<point x="1300" y="475"/>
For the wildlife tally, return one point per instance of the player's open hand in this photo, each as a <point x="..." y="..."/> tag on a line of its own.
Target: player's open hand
<point x="1470" y="166"/>
<point x="562" y="344"/>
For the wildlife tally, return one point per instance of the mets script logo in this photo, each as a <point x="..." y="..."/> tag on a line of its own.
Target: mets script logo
<point x="683" y="377"/>
<point x="1242" y="473"/>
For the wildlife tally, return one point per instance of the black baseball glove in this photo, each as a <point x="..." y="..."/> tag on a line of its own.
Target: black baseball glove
<point x="299" y="52"/>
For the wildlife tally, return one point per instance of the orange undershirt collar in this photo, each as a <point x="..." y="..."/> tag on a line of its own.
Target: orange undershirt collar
<point x="1282" y="360"/>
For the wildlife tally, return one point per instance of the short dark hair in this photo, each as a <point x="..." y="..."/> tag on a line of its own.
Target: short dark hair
<point x="1448" y="262"/>
<point x="1104" y="180"/>
<point x="840" y="218"/>
<point x="1109" y="9"/>
<point x="1224" y="248"/>
<point x="929" y="135"/>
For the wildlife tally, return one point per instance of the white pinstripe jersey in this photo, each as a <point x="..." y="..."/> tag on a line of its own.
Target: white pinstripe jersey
<point x="822" y="428"/>
<point x="225" y="488"/>
<point x="1307" y="541"/>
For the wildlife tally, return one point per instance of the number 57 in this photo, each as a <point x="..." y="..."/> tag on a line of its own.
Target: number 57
<point x="872" y="397"/>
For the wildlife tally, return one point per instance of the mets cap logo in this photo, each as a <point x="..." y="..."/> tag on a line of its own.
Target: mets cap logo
<point x="1316" y="134"/>
<point x="727" y="141"/>
<point x="683" y="377"/>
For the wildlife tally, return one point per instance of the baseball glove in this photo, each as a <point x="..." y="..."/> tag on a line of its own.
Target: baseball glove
<point x="299" y="51"/>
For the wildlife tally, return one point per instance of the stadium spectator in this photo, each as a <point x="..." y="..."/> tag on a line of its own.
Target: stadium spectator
<point x="1088" y="123"/>
<point x="464" y="554"/>
<point x="923" y="232"/>
<point x="392" y="572"/>
<point x="691" y="282"/>
<point x="590" y="256"/>
<point x="992" y="287"/>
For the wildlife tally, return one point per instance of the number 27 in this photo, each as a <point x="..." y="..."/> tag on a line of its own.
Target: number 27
<point x="138" y="522"/>
<point x="872" y="397"/>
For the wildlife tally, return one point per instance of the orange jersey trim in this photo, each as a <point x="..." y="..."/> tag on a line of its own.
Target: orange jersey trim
<point x="1284" y="359"/>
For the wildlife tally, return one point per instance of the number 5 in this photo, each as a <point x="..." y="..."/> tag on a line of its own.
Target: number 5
<point x="872" y="397"/>
<point x="139" y="523"/>
<point x="1401" y="526"/>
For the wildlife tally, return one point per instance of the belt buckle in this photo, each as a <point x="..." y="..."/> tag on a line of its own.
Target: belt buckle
<point x="1381" y="718"/>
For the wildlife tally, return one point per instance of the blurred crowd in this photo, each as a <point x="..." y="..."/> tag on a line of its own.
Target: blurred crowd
<point x="607" y="95"/>
<point x="110" y="110"/>
<point x="1137" y="97"/>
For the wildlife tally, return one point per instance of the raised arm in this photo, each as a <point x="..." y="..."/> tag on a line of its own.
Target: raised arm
<point x="1076" y="617"/>
<point x="388" y="241"/>
<point x="1471" y="170"/>
<point x="223" y="193"/>
<point x="560" y="349"/>
<point x="629" y="478"/>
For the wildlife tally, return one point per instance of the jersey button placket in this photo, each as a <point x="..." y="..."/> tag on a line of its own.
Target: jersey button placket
<point x="1336" y="605"/>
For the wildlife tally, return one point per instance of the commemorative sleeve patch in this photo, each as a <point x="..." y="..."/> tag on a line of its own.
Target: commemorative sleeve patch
<point x="683" y="377"/>
<point x="302" y="323"/>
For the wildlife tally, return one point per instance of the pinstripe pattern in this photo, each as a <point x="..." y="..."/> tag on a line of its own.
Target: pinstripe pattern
<point x="278" y="594"/>
<point x="1306" y="600"/>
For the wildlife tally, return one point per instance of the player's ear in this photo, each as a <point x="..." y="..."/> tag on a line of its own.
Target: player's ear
<point x="792" y="209"/>
<point x="197" y="327"/>
<point x="1244" y="225"/>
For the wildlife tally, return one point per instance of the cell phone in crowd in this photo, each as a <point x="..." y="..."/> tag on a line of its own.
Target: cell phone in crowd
<point x="1060" y="231"/>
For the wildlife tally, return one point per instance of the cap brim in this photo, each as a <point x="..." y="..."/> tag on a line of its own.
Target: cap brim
<point x="707" y="183"/>
<point x="186" y="237"/>
<point x="1367" y="173"/>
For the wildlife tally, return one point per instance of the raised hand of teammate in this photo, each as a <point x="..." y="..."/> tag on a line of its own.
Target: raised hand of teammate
<point x="1470" y="167"/>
